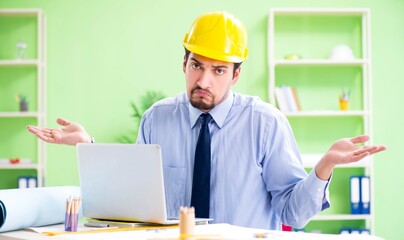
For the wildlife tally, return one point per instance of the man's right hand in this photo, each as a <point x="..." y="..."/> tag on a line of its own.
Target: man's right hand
<point x="70" y="134"/>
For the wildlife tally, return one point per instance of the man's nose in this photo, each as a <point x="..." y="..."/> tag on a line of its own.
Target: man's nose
<point x="204" y="80"/>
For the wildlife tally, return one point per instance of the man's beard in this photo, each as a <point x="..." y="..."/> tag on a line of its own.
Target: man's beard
<point x="197" y="102"/>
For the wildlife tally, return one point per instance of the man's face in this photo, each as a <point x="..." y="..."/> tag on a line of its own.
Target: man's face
<point x="208" y="80"/>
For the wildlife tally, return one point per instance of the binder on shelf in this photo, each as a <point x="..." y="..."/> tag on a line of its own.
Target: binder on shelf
<point x="355" y="231"/>
<point x="355" y="195"/>
<point x="32" y="182"/>
<point x="27" y="182"/>
<point x="365" y="195"/>
<point x="22" y="182"/>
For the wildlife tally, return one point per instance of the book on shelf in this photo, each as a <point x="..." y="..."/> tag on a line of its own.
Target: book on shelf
<point x="287" y="100"/>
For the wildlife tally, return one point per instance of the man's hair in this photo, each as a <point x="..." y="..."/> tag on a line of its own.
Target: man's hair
<point x="236" y="65"/>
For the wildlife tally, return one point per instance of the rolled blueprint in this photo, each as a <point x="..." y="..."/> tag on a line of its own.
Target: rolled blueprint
<point x="34" y="207"/>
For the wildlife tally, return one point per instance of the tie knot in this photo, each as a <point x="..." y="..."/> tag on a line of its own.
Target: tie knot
<point x="206" y="117"/>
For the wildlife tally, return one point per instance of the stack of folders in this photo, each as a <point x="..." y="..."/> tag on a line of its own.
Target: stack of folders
<point x="360" y="195"/>
<point x="286" y="98"/>
<point x="361" y="231"/>
<point x="27" y="182"/>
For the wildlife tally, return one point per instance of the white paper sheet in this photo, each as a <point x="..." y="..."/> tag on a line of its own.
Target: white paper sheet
<point x="210" y="231"/>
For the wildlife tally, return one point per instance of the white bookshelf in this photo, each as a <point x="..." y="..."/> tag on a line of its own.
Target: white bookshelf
<point x="39" y="63"/>
<point x="363" y="62"/>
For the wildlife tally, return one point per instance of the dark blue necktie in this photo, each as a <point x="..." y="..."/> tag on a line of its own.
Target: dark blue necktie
<point x="201" y="179"/>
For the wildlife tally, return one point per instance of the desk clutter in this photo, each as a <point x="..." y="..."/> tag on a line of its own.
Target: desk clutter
<point x="33" y="207"/>
<point x="41" y="210"/>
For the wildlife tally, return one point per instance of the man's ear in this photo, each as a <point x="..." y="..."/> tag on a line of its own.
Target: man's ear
<point x="236" y="75"/>
<point x="184" y="63"/>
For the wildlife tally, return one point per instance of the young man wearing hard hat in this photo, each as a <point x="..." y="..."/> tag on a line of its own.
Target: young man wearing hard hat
<point x="251" y="168"/>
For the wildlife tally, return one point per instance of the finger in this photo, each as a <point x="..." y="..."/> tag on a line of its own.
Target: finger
<point x="34" y="130"/>
<point x="379" y="148"/>
<point x="360" y="139"/>
<point x="368" y="149"/>
<point x="63" y="122"/>
<point x="360" y="156"/>
<point x="45" y="138"/>
<point x="31" y="128"/>
<point x="39" y="132"/>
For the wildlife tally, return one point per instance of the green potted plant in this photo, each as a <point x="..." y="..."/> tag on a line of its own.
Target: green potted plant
<point x="146" y="101"/>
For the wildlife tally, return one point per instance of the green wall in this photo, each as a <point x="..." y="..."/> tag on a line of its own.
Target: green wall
<point x="103" y="54"/>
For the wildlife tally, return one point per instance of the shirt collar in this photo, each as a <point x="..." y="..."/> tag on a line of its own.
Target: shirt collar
<point x="218" y="113"/>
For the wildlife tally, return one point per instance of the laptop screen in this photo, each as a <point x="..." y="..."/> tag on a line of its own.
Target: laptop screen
<point x="122" y="182"/>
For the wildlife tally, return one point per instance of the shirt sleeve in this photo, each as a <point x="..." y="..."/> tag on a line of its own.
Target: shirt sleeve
<point x="296" y="195"/>
<point x="144" y="132"/>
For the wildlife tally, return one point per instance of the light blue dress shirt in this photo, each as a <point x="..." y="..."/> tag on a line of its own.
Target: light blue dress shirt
<point x="257" y="178"/>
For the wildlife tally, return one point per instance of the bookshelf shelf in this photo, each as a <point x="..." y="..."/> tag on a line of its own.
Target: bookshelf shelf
<point x="339" y="217"/>
<point x="19" y="166"/>
<point x="327" y="113"/>
<point x="310" y="161"/>
<point x="319" y="62"/>
<point x="19" y="114"/>
<point x="32" y="62"/>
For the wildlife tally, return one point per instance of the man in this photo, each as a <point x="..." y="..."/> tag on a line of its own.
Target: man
<point x="232" y="156"/>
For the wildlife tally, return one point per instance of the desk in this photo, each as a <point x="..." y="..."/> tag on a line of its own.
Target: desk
<point x="212" y="231"/>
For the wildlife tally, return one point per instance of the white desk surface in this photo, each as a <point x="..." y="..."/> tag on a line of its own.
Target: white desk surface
<point x="212" y="231"/>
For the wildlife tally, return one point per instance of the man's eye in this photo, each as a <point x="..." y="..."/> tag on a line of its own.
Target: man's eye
<point x="219" y="71"/>
<point x="195" y="66"/>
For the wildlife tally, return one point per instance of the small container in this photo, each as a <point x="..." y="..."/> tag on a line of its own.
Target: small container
<point x="71" y="221"/>
<point x="343" y="104"/>
<point x="21" y="51"/>
<point x="23" y="106"/>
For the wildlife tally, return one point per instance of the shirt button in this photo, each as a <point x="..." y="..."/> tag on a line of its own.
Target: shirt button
<point x="318" y="189"/>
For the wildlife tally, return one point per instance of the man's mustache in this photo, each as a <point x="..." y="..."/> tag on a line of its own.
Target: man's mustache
<point x="199" y="88"/>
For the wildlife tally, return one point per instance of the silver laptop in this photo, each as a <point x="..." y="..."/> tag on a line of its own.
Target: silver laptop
<point x="122" y="182"/>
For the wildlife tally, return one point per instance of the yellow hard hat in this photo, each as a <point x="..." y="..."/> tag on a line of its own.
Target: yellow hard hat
<point x="218" y="35"/>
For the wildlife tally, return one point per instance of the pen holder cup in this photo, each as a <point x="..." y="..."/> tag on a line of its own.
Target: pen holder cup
<point x="71" y="221"/>
<point x="343" y="104"/>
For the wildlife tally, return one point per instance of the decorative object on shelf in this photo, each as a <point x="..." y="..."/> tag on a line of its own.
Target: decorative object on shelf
<point x="14" y="160"/>
<point x="293" y="56"/>
<point x="21" y="50"/>
<point x="146" y="101"/>
<point x="342" y="52"/>
<point x="23" y="101"/>
<point x="344" y="100"/>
